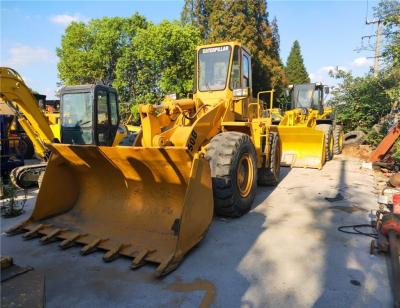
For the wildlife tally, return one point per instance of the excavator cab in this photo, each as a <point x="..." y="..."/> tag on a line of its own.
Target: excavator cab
<point x="89" y="115"/>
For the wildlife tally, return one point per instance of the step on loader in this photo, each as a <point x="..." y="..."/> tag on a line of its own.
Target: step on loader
<point x="154" y="201"/>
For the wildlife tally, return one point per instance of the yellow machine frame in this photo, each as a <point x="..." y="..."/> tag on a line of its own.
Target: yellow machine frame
<point x="154" y="201"/>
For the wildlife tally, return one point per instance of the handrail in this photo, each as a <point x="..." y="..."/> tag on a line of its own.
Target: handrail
<point x="271" y="100"/>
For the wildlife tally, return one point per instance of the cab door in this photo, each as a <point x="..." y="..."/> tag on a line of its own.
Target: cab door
<point x="246" y="80"/>
<point x="102" y="117"/>
<point x="106" y="115"/>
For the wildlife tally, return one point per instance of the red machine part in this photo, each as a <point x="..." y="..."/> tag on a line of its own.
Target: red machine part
<point x="390" y="222"/>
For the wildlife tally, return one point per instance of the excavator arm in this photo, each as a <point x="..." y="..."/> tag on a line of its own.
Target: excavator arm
<point x="18" y="97"/>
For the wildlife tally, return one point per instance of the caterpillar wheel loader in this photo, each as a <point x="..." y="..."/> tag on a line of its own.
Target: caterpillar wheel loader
<point x="154" y="201"/>
<point x="44" y="129"/>
<point x="308" y="131"/>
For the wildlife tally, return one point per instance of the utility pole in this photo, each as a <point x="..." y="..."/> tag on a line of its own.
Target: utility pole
<point x="378" y="36"/>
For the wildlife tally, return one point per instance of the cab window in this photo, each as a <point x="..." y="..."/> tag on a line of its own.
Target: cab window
<point x="235" y="74"/>
<point x="102" y="111"/>
<point x="246" y="71"/>
<point x="114" y="109"/>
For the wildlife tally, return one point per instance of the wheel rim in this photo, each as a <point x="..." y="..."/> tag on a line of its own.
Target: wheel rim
<point x="245" y="175"/>
<point x="341" y="140"/>
<point x="331" y="145"/>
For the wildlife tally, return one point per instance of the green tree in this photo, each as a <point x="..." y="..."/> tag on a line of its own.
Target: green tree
<point x="389" y="12"/>
<point x="90" y="52"/>
<point x="276" y="39"/>
<point x="361" y="101"/>
<point x="197" y="13"/>
<point x="295" y="70"/>
<point x="159" y="61"/>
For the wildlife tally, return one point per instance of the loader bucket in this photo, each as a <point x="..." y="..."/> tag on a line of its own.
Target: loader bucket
<point x="302" y="147"/>
<point x="150" y="204"/>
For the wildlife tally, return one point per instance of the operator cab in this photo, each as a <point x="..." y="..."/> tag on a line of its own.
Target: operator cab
<point x="223" y="71"/>
<point x="308" y="96"/>
<point x="89" y="115"/>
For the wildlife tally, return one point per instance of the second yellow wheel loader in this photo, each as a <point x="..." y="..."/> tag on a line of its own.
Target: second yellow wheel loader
<point x="308" y="131"/>
<point x="154" y="201"/>
<point x="77" y="103"/>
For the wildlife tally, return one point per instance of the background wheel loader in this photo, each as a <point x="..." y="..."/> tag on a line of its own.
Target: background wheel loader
<point x="44" y="128"/>
<point x="154" y="201"/>
<point x="308" y="131"/>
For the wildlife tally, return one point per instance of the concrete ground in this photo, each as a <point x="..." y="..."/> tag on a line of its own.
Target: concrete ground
<point x="286" y="252"/>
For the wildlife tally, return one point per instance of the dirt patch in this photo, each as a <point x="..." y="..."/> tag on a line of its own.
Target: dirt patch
<point x="196" y="285"/>
<point x="356" y="150"/>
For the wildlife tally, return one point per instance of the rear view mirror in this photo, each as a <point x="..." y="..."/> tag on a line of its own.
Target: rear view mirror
<point x="326" y="90"/>
<point x="287" y="92"/>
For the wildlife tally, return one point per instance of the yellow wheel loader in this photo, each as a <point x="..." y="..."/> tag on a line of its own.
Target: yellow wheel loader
<point x="308" y="131"/>
<point x="154" y="201"/>
<point x="43" y="129"/>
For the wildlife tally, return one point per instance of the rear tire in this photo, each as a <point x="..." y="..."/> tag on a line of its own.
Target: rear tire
<point x="337" y="139"/>
<point x="328" y="135"/>
<point x="233" y="166"/>
<point x="269" y="175"/>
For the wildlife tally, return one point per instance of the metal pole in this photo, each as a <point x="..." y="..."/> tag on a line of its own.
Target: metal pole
<point x="377" y="48"/>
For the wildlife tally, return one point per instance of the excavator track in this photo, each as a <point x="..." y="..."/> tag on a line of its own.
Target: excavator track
<point x="26" y="177"/>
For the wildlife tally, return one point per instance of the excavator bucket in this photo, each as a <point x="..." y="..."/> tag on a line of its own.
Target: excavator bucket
<point x="302" y="147"/>
<point x="150" y="204"/>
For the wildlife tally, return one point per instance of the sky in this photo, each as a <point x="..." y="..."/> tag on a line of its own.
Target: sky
<point x="329" y="32"/>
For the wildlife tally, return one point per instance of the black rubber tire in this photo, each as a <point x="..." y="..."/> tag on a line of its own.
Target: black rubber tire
<point x="25" y="148"/>
<point x="224" y="154"/>
<point x="337" y="139"/>
<point x="269" y="175"/>
<point x="328" y="132"/>
<point x="353" y="137"/>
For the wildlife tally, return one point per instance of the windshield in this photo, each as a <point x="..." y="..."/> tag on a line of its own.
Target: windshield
<point x="213" y="68"/>
<point x="303" y="95"/>
<point x="77" y="110"/>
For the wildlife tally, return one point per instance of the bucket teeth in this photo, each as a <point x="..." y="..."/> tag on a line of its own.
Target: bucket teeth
<point x="17" y="229"/>
<point x="34" y="232"/>
<point x="69" y="242"/>
<point x="49" y="237"/>
<point x="166" y="267"/>
<point x="113" y="253"/>
<point x="138" y="261"/>
<point x="91" y="246"/>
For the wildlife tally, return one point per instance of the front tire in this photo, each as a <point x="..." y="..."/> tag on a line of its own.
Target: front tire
<point x="328" y="135"/>
<point x="337" y="139"/>
<point x="233" y="166"/>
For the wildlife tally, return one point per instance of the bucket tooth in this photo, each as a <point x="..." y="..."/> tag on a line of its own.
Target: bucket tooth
<point x="19" y="228"/>
<point x="34" y="232"/>
<point x="49" y="237"/>
<point x="166" y="267"/>
<point x="113" y="253"/>
<point x="69" y="242"/>
<point x="92" y="246"/>
<point x="138" y="261"/>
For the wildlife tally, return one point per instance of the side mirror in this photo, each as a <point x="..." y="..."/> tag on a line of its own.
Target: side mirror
<point x="326" y="90"/>
<point x="244" y="92"/>
<point x="287" y="92"/>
